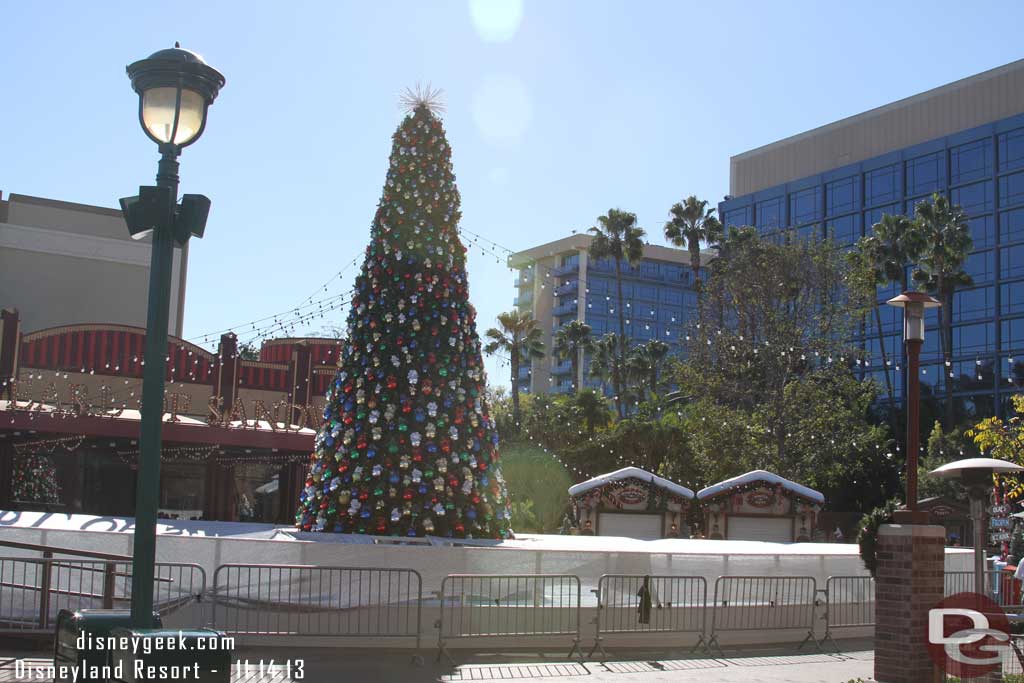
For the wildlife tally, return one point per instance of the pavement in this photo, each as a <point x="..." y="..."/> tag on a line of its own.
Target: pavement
<point x="329" y="665"/>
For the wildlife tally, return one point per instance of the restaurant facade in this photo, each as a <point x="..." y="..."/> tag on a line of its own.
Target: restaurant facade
<point x="237" y="433"/>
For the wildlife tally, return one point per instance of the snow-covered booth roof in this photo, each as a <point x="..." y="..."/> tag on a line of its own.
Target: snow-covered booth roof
<point x="630" y="473"/>
<point x="760" y="478"/>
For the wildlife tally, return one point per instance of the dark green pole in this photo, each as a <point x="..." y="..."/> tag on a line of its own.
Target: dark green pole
<point x="147" y="491"/>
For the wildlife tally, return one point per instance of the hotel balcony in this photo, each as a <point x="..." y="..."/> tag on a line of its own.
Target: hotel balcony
<point x="568" y="287"/>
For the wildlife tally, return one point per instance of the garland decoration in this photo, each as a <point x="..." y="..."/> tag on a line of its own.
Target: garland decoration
<point x="867" y="538"/>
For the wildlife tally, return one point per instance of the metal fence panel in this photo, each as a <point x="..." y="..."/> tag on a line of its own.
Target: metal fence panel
<point x="849" y="603"/>
<point x="514" y="605"/>
<point x="306" y="600"/>
<point x="763" y="603"/>
<point x="676" y="605"/>
<point x="34" y="589"/>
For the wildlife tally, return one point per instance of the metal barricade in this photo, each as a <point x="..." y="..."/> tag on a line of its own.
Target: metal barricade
<point x="513" y="605"/>
<point x="34" y="589"/>
<point x="849" y="603"/>
<point x="763" y="603"/>
<point x="307" y="600"/>
<point x="633" y="603"/>
<point x="958" y="582"/>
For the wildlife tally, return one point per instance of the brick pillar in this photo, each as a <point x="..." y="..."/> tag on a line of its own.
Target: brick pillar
<point x="908" y="582"/>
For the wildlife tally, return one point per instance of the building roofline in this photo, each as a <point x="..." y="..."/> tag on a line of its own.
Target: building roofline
<point x="580" y="241"/>
<point x="61" y="204"/>
<point x="877" y="111"/>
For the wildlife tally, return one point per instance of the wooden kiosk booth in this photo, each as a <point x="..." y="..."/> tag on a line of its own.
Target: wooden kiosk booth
<point x="632" y="502"/>
<point x="760" y="506"/>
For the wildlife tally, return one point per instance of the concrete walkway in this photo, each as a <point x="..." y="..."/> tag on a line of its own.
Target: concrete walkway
<point x="325" y="665"/>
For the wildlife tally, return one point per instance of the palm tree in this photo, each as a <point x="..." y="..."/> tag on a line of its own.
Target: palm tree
<point x="605" y="364"/>
<point x="692" y="223"/>
<point x="519" y="337"/>
<point x="617" y="236"/>
<point x="644" y="364"/>
<point x="946" y="242"/>
<point x="571" y="341"/>
<point x="592" y="409"/>
<point x="894" y="243"/>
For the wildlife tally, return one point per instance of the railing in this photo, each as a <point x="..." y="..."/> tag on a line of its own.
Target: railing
<point x="763" y="603"/>
<point x="650" y="604"/>
<point x="305" y="600"/>
<point x="849" y="603"/>
<point x="513" y="605"/>
<point x="33" y="589"/>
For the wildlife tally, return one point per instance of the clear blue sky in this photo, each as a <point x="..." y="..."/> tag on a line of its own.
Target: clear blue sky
<point x="555" y="113"/>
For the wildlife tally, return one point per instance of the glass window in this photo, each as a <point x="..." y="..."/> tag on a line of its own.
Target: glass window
<point x="1013" y="335"/>
<point x="974" y="199"/>
<point x="972" y="161"/>
<point x="972" y="304"/>
<point x="845" y="230"/>
<point x="981" y="266"/>
<point x="1011" y="226"/>
<point x="926" y="174"/>
<point x="738" y="217"/>
<point x="769" y="214"/>
<point x="646" y="292"/>
<point x="1011" y="261"/>
<point x="1011" y="189"/>
<point x="670" y="296"/>
<point x="671" y="272"/>
<point x="842" y="196"/>
<point x="182" y="490"/>
<point x="881" y="185"/>
<point x="1011" y="150"/>
<point x="805" y="205"/>
<point x="875" y="215"/>
<point x="1011" y="298"/>
<point x="973" y="338"/>
<point x="983" y="232"/>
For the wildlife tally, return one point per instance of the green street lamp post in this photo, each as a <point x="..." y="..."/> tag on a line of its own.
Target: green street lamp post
<point x="175" y="88"/>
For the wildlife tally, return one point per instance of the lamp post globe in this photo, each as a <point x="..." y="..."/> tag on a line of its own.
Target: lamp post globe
<point x="175" y="88"/>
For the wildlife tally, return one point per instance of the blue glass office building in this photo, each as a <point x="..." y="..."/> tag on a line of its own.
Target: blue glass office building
<point x="981" y="168"/>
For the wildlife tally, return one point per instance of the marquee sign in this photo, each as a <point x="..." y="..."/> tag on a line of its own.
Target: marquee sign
<point x="759" y="499"/>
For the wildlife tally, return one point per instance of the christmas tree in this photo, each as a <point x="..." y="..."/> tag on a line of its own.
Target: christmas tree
<point x="35" y="480"/>
<point x="408" y="446"/>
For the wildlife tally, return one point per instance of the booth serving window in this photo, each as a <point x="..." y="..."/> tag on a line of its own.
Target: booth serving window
<point x="182" y="489"/>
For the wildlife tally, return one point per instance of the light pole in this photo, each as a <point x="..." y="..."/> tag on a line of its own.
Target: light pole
<point x="913" y="305"/>
<point x="175" y="88"/>
<point x="976" y="476"/>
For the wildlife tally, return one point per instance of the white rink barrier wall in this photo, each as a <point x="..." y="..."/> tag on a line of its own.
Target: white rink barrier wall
<point x="212" y="544"/>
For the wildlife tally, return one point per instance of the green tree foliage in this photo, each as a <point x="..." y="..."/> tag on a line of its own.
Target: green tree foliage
<point x="943" y="448"/>
<point x="644" y="365"/>
<point x="1004" y="439"/>
<point x="619" y="238"/>
<point x="519" y="336"/>
<point x="538" y="487"/>
<point x="692" y="223"/>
